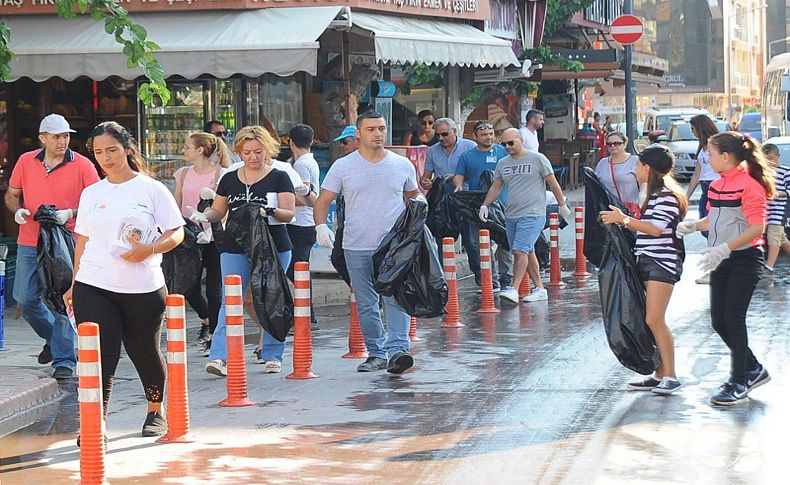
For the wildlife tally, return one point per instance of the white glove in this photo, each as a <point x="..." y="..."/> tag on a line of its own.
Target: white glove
<point x="20" y="215"/>
<point x="712" y="257"/>
<point x="565" y="213"/>
<point x="302" y="190"/>
<point x="197" y="217"/>
<point x="685" y="228"/>
<point x="324" y="236"/>
<point x="483" y="213"/>
<point x="63" y="215"/>
<point x="203" y="238"/>
<point x="207" y="194"/>
<point x="420" y="198"/>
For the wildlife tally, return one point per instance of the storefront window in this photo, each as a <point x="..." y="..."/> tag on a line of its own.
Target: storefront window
<point x="280" y="104"/>
<point x="405" y="107"/>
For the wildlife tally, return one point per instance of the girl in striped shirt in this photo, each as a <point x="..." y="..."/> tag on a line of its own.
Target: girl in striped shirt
<point x="777" y="239"/>
<point x="734" y="257"/>
<point x="659" y="255"/>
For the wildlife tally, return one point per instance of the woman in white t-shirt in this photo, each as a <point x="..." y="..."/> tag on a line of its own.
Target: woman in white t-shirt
<point x="124" y="224"/>
<point x="703" y="128"/>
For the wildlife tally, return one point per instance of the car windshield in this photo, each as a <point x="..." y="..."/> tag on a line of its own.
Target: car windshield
<point x="662" y="122"/>
<point x="749" y="123"/>
<point x="784" y="153"/>
<point x="681" y="132"/>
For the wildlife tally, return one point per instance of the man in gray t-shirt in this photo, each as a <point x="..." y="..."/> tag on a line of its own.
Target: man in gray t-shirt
<point x="374" y="182"/>
<point x="525" y="174"/>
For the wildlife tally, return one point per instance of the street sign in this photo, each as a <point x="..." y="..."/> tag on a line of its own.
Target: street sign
<point x="627" y="29"/>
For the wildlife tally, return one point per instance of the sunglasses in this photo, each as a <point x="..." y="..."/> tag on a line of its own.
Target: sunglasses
<point x="614" y="143"/>
<point x="220" y="133"/>
<point x="508" y="143"/>
<point x="345" y="141"/>
<point x="426" y="123"/>
<point x="483" y="126"/>
<point x="442" y="135"/>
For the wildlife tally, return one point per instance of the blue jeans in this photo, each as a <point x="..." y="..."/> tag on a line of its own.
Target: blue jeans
<point x="56" y="329"/>
<point x="360" y="268"/>
<point x="238" y="264"/>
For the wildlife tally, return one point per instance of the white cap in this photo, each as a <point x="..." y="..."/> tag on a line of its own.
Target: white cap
<point x="55" y="125"/>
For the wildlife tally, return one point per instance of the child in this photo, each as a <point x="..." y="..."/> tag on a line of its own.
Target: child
<point x="659" y="255"/>
<point x="777" y="239"/>
<point x="734" y="256"/>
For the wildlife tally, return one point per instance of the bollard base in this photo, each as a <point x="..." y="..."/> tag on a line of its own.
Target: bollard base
<point x="452" y="325"/>
<point x="301" y="375"/>
<point x="184" y="438"/>
<point x="583" y="274"/>
<point x="558" y="284"/>
<point x="354" y="355"/>
<point x="488" y="310"/>
<point x="236" y="403"/>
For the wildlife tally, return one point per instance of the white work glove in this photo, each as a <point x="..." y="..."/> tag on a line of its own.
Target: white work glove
<point x="712" y="257"/>
<point x="685" y="228"/>
<point x="420" y="198"/>
<point x="207" y="194"/>
<point x="197" y="217"/>
<point x="324" y="236"/>
<point x="483" y="213"/>
<point x="565" y="213"/>
<point x="302" y="190"/>
<point x="63" y="215"/>
<point x="20" y="215"/>
<point x="203" y="237"/>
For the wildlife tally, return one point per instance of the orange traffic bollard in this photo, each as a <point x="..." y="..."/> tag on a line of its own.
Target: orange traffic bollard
<point x="453" y="317"/>
<point x="555" y="273"/>
<point x="356" y="341"/>
<point x="303" y="343"/>
<point x="413" y="330"/>
<point x="90" y="396"/>
<point x="487" y="304"/>
<point x="234" y="326"/>
<point x="524" y="288"/>
<point x="581" y="261"/>
<point x="177" y="392"/>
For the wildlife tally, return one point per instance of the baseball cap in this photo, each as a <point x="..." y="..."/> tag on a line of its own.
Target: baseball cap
<point x="659" y="157"/>
<point x="55" y="125"/>
<point x="348" y="131"/>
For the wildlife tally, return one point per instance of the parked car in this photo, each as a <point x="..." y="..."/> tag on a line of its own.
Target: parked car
<point x="640" y="125"/>
<point x="681" y="140"/>
<point x="657" y="120"/>
<point x="783" y="143"/>
<point x="750" y="125"/>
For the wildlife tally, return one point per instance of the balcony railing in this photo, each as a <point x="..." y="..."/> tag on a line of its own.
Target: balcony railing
<point x="604" y="11"/>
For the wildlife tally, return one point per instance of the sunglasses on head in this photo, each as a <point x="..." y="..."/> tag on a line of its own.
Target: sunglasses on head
<point x="426" y="122"/>
<point x="484" y="126"/>
<point x="508" y="143"/>
<point x="614" y="143"/>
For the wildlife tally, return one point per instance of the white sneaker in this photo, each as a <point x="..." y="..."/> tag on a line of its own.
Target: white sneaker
<point x="538" y="294"/>
<point x="509" y="294"/>
<point x="704" y="280"/>
<point x="272" y="367"/>
<point x="217" y="367"/>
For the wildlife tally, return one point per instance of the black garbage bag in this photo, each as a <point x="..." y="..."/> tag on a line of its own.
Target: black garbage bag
<point x="271" y="293"/>
<point x="623" y="303"/>
<point x="338" y="257"/>
<point x="466" y="204"/>
<point x="542" y="250"/>
<point x="598" y="198"/>
<point x="406" y="265"/>
<point x="442" y="219"/>
<point x="183" y="265"/>
<point x="54" y="258"/>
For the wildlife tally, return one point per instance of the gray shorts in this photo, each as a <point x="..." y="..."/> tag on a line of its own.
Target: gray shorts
<point x="650" y="270"/>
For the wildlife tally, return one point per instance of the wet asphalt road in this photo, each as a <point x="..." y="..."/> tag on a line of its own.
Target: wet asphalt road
<point x="532" y="395"/>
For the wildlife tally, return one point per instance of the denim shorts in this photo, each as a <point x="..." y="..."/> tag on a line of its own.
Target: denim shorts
<point x="650" y="270"/>
<point x="522" y="232"/>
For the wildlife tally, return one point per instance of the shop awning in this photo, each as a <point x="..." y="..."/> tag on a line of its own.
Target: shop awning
<point x="405" y="40"/>
<point x="281" y="41"/>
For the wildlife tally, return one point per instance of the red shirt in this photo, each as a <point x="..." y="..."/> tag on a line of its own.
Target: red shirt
<point x="735" y="201"/>
<point x="61" y="187"/>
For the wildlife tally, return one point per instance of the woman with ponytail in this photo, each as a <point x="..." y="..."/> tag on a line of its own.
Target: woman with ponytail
<point x="734" y="256"/>
<point x="207" y="156"/>
<point x="659" y="255"/>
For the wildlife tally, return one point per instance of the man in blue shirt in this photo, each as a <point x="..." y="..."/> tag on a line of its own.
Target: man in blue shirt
<point x="470" y="167"/>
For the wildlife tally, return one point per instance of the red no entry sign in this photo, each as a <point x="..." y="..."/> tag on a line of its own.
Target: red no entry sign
<point x="627" y="29"/>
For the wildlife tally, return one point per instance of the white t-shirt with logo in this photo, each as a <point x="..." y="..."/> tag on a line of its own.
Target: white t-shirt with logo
<point x="706" y="173"/>
<point x="286" y="167"/>
<point x="108" y="215"/>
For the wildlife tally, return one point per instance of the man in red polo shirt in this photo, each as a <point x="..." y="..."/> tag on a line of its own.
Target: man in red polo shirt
<point x="53" y="175"/>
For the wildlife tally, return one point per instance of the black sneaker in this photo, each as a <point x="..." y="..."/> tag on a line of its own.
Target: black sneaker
<point x="757" y="377"/>
<point x="667" y="386"/>
<point x="62" y="373"/>
<point x="730" y="393"/>
<point x="203" y="335"/>
<point x="478" y="279"/>
<point x="45" y="357"/>
<point x="646" y="384"/>
<point x="400" y="362"/>
<point x="372" y="364"/>
<point x="314" y="326"/>
<point x="155" y="424"/>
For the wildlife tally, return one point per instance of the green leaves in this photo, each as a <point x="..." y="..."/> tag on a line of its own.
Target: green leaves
<point x="132" y="36"/>
<point x="419" y="74"/>
<point x="559" y="11"/>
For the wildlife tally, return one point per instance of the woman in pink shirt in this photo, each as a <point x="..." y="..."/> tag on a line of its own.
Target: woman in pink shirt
<point x="208" y="156"/>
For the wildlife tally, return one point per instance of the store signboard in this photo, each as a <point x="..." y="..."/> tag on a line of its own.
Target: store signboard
<point x="448" y="9"/>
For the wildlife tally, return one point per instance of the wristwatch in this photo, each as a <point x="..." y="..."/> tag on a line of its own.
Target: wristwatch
<point x="626" y="221"/>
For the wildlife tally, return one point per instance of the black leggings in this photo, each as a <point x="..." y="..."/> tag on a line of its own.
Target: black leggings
<point x="208" y="307"/>
<point x="302" y="239"/>
<point x="132" y="319"/>
<point x="731" y="288"/>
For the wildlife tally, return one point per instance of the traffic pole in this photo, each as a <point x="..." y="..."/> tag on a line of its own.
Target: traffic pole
<point x="90" y="396"/>
<point x="2" y="305"/>
<point x="413" y="330"/>
<point x="356" y="341"/>
<point x="452" y="318"/>
<point x="555" y="275"/>
<point x="487" y="303"/>
<point x="234" y="326"/>
<point x="581" y="261"/>
<point x="177" y="391"/>
<point x="303" y="342"/>
<point x="524" y="288"/>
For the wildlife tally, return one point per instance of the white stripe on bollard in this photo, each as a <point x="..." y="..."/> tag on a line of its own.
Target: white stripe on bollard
<point x="234" y="330"/>
<point x="233" y="290"/>
<point x="85" y="369"/>
<point x="89" y="395"/>
<point x="88" y="342"/>
<point x="176" y="358"/>
<point x="234" y="310"/>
